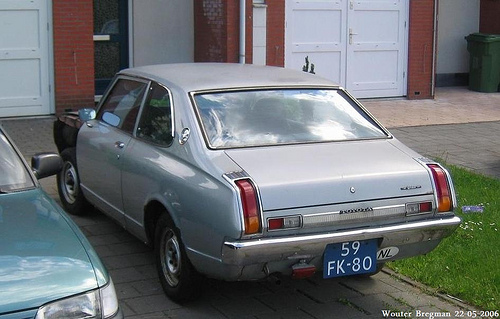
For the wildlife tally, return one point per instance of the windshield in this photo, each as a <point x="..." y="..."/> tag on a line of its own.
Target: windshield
<point x="13" y="174"/>
<point x="283" y="116"/>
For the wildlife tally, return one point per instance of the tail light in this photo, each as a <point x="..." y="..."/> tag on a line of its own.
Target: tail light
<point x="251" y="214"/>
<point x="287" y="222"/>
<point x="444" y="195"/>
<point x="418" y="208"/>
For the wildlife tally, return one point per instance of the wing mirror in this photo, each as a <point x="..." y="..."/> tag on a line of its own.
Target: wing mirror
<point x="46" y="164"/>
<point x="86" y="114"/>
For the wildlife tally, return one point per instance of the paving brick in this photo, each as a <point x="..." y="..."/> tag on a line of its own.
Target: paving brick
<point x="151" y="304"/>
<point x="238" y="307"/>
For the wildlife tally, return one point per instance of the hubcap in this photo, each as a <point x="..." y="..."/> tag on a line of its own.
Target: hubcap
<point x="171" y="257"/>
<point x="69" y="181"/>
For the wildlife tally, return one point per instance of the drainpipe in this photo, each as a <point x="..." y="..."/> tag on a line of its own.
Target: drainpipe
<point x="434" y="49"/>
<point x="242" y="30"/>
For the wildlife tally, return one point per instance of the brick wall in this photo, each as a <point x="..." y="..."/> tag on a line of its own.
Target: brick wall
<point x="232" y="31"/>
<point x="420" y="49"/>
<point x="275" y="33"/>
<point x="210" y="31"/>
<point x="217" y="35"/>
<point x="73" y="54"/>
<point x="489" y="22"/>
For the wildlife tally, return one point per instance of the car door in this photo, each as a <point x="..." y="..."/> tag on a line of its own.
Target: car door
<point x="103" y="141"/>
<point x="147" y="163"/>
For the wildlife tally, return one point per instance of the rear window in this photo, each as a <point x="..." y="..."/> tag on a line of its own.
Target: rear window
<point x="285" y="116"/>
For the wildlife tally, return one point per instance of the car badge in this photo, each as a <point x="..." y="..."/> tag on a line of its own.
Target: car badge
<point x="184" y="136"/>
<point x="353" y="190"/>
<point x="410" y="187"/>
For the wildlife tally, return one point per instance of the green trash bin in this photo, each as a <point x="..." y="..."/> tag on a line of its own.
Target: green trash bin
<point x="484" y="68"/>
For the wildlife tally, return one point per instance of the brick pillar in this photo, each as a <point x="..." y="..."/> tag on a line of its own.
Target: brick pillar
<point x="276" y="33"/>
<point x="73" y="54"/>
<point x="209" y="31"/>
<point x="489" y="22"/>
<point x="421" y="49"/>
<point x="217" y="31"/>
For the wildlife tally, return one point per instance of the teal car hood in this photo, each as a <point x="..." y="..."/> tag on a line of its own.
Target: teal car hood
<point x="43" y="255"/>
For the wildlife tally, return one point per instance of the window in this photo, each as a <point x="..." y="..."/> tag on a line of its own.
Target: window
<point x="155" y="124"/>
<point x="282" y="116"/>
<point x="122" y="104"/>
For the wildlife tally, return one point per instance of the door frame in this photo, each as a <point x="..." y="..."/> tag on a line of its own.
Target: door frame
<point x="123" y="40"/>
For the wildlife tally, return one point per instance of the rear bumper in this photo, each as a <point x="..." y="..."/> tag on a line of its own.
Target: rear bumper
<point x="249" y="252"/>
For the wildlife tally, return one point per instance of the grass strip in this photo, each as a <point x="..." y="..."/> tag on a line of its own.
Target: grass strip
<point x="466" y="264"/>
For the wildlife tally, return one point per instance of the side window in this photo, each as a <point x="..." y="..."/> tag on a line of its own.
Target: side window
<point x="122" y="104"/>
<point x="155" y="124"/>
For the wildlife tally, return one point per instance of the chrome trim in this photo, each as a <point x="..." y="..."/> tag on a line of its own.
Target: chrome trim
<point x="263" y="250"/>
<point x="336" y="218"/>
<point x="232" y="177"/>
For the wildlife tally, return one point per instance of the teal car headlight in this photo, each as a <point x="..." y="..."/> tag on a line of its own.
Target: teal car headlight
<point x="100" y="303"/>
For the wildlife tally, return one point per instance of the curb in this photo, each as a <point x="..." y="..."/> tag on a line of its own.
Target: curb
<point x="429" y="290"/>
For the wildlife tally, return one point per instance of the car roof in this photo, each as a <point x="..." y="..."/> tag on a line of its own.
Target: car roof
<point x="212" y="76"/>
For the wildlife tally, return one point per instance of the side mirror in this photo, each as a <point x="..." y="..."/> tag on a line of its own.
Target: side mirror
<point x="46" y="164"/>
<point x="86" y="114"/>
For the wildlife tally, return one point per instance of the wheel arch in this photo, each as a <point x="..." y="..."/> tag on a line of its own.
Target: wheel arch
<point x="152" y="212"/>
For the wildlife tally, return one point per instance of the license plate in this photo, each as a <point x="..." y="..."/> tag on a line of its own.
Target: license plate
<point x="350" y="258"/>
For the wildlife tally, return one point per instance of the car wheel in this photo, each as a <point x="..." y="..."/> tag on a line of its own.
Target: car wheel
<point x="180" y="281"/>
<point x="68" y="184"/>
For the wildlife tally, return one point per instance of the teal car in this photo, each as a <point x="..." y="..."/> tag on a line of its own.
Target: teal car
<point x="48" y="269"/>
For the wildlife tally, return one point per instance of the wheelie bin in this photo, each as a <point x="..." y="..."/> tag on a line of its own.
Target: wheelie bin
<point x="484" y="67"/>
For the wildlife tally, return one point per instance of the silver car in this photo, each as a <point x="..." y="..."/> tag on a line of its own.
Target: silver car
<point x="239" y="172"/>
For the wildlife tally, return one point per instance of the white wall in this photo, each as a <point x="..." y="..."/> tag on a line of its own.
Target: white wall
<point x="259" y="34"/>
<point x="457" y="19"/>
<point x="162" y="31"/>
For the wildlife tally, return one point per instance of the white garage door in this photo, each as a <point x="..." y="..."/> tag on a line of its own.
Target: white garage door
<point x="24" y="58"/>
<point x="359" y="44"/>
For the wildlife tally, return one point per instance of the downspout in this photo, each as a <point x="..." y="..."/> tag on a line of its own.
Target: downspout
<point x="434" y="48"/>
<point x="242" y="30"/>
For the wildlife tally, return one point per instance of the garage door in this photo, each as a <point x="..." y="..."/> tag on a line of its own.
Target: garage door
<point x="359" y="44"/>
<point x="24" y="58"/>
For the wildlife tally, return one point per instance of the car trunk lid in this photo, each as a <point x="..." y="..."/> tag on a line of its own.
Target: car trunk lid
<point x="295" y="176"/>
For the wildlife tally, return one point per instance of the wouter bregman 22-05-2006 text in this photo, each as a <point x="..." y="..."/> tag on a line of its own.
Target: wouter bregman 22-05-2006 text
<point x="442" y="314"/>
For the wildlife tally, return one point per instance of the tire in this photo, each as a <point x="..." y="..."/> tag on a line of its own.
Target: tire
<point x="180" y="281"/>
<point x="68" y="184"/>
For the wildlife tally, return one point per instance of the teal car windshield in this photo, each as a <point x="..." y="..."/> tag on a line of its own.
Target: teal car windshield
<point x="282" y="116"/>
<point x="13" y="173"/>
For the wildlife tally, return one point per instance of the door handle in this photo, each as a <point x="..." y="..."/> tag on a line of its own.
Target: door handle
<point x="119" y="144"/>
<point x="350" y="35"/>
